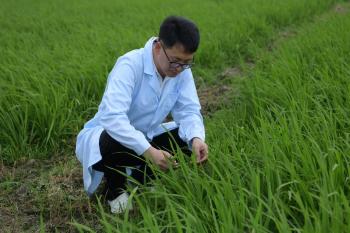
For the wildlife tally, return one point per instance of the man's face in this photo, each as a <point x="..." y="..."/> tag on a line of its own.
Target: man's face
<point x="172" y="61"/>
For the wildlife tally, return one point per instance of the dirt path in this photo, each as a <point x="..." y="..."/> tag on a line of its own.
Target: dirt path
<point x="48" y="188"/>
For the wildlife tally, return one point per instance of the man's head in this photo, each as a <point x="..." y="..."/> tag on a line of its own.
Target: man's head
<point x="178" y="40"/>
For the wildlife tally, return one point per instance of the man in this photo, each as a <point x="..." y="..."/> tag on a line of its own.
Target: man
<point x="144" y="86"/>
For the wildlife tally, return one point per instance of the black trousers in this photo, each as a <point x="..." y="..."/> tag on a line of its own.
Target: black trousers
<point x="116" y="157"/>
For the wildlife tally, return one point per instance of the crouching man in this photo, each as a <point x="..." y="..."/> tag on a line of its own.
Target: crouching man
<point x="144" y="86"/>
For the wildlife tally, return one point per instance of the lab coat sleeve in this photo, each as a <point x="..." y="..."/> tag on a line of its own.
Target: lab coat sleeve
<point x="116" y="104"/>
<point x="186" y="112"/>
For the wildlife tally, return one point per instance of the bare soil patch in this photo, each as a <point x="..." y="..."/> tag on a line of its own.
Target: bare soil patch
<point x="341" y="8"/>
<point x="48" y="189"/>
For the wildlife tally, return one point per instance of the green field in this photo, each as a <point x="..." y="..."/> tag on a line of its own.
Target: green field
<point x="279" y="144"/>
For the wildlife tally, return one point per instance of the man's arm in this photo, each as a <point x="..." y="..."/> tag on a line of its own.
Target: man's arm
<point x="115" y="105"/>
<point x="186" y="114"/>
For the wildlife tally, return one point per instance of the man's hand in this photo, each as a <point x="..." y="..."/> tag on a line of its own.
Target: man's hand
<point x="200" y="149"/>
<point x="160" y="158"/>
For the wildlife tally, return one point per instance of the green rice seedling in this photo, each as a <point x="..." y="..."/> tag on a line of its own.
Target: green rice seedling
<point x="55" y="57"/>
<point x="279" y="162"/>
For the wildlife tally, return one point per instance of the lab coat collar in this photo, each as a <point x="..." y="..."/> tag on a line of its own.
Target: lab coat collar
<point x="148" y="58"/>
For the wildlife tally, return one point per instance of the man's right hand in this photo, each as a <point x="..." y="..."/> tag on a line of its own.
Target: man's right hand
<point x="160" y="158"/>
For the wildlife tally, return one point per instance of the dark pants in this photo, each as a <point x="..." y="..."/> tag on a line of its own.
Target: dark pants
<point x="116" y="157"/>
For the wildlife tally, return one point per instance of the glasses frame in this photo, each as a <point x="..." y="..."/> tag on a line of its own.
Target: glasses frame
<point x="174" y="64"/>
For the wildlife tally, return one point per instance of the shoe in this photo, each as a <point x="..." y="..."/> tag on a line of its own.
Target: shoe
<point x="120" y="204"/>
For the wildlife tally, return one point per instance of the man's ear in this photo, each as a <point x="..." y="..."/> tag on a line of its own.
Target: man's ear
<point x="157" y="46"/>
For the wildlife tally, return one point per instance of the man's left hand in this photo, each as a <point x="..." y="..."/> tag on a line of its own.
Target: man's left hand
<point x="200" y="149"/>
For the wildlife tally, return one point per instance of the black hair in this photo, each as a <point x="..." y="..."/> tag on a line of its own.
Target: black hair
<point x="176" y="29"/>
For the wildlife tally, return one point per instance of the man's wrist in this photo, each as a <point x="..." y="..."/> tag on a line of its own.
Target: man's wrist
<point x="149" y="151"/>
<point x="195" y="138"/>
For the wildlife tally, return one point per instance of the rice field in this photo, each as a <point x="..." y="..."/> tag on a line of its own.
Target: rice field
<point x="279" y="148"/>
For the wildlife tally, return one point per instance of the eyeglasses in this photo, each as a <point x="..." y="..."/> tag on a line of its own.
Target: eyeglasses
<point x="174" y="64"/>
